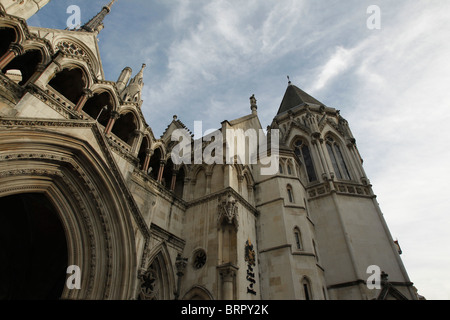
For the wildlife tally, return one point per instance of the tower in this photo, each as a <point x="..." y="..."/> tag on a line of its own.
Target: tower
<point x="323" y="228"/>
<point x="23" y="9"/>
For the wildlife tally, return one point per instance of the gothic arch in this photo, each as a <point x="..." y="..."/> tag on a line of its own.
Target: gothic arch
<point x="127" y="109"/>
<point x="126" y="126"/>
<point x="158" y="278"/>
<point x="25" y="65"/>
<point x="75" y="48"/>
<point x="71" y="81"/>
<point x="198" y="293"/>
<point x="94" y="106"/>
<point x="88" y="200"/>
<point x="19" y="34"/>
<point x="43" y="46"/>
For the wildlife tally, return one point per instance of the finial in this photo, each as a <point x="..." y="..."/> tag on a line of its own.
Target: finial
<point x="110" y="4"/>
<point x="289" y="80"/>
<point x="253" y="105"/>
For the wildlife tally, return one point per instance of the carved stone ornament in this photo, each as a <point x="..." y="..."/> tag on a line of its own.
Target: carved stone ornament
<point x="149" y="285"/>
<point x="228" y="211"/>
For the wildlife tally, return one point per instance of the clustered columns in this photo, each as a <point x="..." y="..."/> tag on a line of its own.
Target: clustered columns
<point x="14" y="50"/>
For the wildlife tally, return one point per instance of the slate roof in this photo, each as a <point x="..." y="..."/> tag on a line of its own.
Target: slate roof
<point x="294" y="97"/>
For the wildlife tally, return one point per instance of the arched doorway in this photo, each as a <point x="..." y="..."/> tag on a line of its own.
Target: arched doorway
<point x="33" y="249"/>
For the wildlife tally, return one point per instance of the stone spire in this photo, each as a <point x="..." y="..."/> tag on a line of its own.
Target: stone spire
<point x="96" y="23"/>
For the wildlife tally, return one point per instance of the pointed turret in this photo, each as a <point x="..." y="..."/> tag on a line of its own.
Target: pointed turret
<point x="294" y="97"/>
<point x="132" y="93"/>
<point x="96" y="23"/>
<point x="124" y="77"/>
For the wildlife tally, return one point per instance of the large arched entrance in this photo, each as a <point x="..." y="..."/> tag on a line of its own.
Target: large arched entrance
<point x="33" y="248"/>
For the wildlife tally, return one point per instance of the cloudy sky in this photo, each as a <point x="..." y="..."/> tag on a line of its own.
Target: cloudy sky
<point x="206" y="58"/>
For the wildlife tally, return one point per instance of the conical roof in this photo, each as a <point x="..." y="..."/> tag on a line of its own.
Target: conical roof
<point x="294" y="97"/>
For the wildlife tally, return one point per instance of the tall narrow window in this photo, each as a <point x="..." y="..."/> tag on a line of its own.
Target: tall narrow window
<point x="307" y="289"/>
<point x="298" y="239"/>
<point x="337" y="159"/>
<point x="289" y="169"/>
<point x="315" y="251"/>
<point x="303" y="153"/>
<point x="290" y="194"/>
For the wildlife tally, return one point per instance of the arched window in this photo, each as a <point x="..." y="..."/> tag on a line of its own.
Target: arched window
<point x="70" y="83"/>
<point x="143" y="152"/>
<point x="289" y="169"/>
<point x="95" y="107"/>
<point x="155" y="163"/>
<point x="24" y="65"/>
<point x="298" y="239"/>
<point x="179" y="186"/>
<point x="303" y="153"/>
<point x="290" y="194"/>
<point x="281" y="168"/>
<point x="307" y="288"/>
<point x="337" y="159"/>
<point x="7" y="37"/>
<point x="125" y="127"/>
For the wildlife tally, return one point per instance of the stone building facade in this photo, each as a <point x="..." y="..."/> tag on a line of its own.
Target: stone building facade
<point x="84" y="181"/>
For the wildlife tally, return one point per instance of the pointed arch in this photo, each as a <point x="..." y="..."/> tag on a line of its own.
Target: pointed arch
<point x="158" y="281"/>
<point x="155" y="162"/>
<point x="200" y="183"/>
<point x="71" y="82"/>
<point x="303" y="152"/>
<point x="94" y="106"/>
<point x="198" y="293"/>
<point x="217" y="178"/>
<point x="337" y="156"/>
<point x="125" y="127"/>
<point x="298" y="238"/>
<point x="25" y="64"/>
<point x="307" y="290"/>
<point x="144" y="153"/>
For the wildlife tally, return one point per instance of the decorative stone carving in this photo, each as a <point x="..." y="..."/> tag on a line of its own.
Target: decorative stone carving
<point x="228" y="211"/>
<point x="149" y="285"/>
<point x="199" y="259"/>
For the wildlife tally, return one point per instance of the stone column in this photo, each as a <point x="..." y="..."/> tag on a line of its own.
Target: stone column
<point x="174" y="180"/>
<point x="228" y="275"/>
<point x="114" y="116"/>
<point x="148" y="155"/>
<point x="14" y="50"/>
<point x="161" y="171"/>
<point x="40" y="68"/>
<point x="87" y="94"/>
